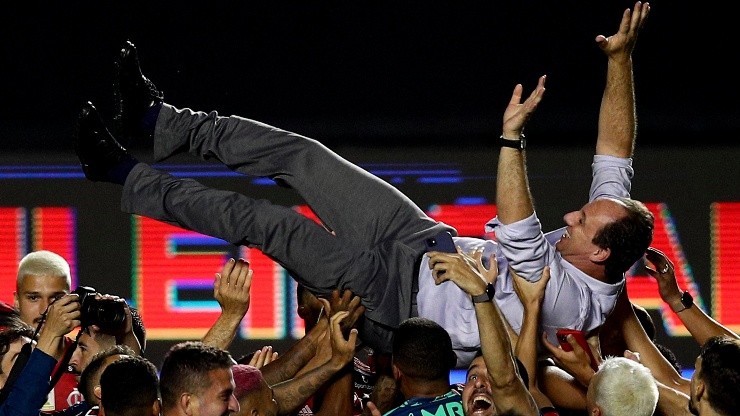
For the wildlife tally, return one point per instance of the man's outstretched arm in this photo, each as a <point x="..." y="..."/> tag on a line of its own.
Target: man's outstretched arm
<point x="513" y="198"/>
<point x="617" y="114"/>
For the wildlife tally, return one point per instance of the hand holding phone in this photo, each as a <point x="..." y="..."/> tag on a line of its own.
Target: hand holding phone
<point x="441" y="242"/>
<point x="580" y="337"/>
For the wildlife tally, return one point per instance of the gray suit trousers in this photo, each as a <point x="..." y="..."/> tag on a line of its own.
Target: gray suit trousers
<point x="379" y="231"/>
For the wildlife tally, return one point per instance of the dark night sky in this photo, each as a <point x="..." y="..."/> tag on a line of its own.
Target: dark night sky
<point x="378" y="73"/>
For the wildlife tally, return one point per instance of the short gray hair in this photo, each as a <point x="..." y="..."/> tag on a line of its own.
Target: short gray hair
<point x="623" y="387"/>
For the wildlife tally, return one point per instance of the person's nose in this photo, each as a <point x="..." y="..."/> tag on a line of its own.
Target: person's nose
<point x="569" y="218"/>
<point x="74" y="360"/>
<point x="233" y="404"/>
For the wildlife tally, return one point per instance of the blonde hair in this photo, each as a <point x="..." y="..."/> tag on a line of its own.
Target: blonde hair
<point x="43" y="263"/>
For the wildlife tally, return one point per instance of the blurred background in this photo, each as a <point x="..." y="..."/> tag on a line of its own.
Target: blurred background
<point x="411" y="90"/>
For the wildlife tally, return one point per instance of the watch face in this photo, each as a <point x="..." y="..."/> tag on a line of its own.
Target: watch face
<point x="523" y="142"/>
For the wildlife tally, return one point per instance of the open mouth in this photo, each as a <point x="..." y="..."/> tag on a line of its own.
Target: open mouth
<point x="481" y="403"/>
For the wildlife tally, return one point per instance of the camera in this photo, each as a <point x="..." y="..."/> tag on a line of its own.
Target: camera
<point x="108" y="314"/>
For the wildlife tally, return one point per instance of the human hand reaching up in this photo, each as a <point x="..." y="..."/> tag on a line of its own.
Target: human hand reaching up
<point x="231" y="287"/>
<point x="621" y="44"/>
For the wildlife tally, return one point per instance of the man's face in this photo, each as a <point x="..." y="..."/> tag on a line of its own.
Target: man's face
<point x="477" y="399"/>
<point x="90" y="343"/>
<point x="34" y="293"/>
<point x="218" y="398"/>
<point x="583" y="225"/>
<point x="8" y="359"/>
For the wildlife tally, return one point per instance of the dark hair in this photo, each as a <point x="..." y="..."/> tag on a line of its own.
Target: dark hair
<point x="423" y="349"/>
<point x="519" y="366"/>
<point x="90" y="376"/>
<point x="720" y="370"/>
<point x="12" y="328"/>
<point x="129" y="386"/>
<point x="185" y="369"/>
<point x="627" y="238"/>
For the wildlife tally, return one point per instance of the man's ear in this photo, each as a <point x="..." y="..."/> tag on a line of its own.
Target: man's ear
<point x="188" y="402"/>
<point x="700" y="389"/>
<point x="97" y="392"/>
<point x="600" y="255"/>
<point x="396" y="372"/>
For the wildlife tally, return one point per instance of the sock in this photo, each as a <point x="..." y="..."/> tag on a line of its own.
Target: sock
<point x="149" y="121"/>
<point x="119" y="172"/>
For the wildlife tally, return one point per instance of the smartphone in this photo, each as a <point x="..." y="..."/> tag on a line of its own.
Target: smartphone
<point x="441" y="242"/>
<point x="580" y="337"/>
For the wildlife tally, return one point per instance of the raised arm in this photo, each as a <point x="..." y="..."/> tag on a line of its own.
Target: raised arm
<point x="700" y="325"/>
<point x="290" y="395"/>
<point x="513" y="197"/>
<point x="507" y="387"/>
<point x="617" y="117"/>
<point x="531" y="294"/>
<point x="231" y="290"/>
<point x="638" y="341"/>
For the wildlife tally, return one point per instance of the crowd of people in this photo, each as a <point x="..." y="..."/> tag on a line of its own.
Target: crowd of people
<point x="386" y="319"/>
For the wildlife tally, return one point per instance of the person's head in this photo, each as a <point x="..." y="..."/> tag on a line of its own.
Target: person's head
<point x="611" y="232"/>
<point x="715" y="384"/>
<point x="422" y="352"/>
<point x="197" y="379"/>
<point x="130" y="387"/>
<point x="43" y="277"/>
<point x="89" y="384"/>
<point x="622" y="387"/>
<point x="92" y="340"/>
<point x="14" y="334"/>
<point x="254" y="395"/>
<point x="477" y="397"/>
<point x="89" y="343"/>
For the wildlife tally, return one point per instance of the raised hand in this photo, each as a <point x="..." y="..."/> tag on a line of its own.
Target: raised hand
<point x="664" y="274"/>
<point x="343" y="350"/>
<point x="576" y="362"/>
<point x="263" y="356"/>
<point x="517" y="113"/>
<point x="347" y="302"/>
<point x="460" y="268"/>
<point x="621" y="44"/>
<point x="231" y="287"/>
<point x="530" y="293"/>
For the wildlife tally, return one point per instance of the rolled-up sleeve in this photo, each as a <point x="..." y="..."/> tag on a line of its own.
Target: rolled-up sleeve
<point x="612" y="177"/>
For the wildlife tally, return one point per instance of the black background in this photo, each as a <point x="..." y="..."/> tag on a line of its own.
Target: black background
<point x="370" y="73"/>
<point x="394" y="80"/>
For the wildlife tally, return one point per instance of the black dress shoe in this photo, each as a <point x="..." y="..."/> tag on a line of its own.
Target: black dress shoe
<point x="97" y="149"/>
<point x="134" y="95"/>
